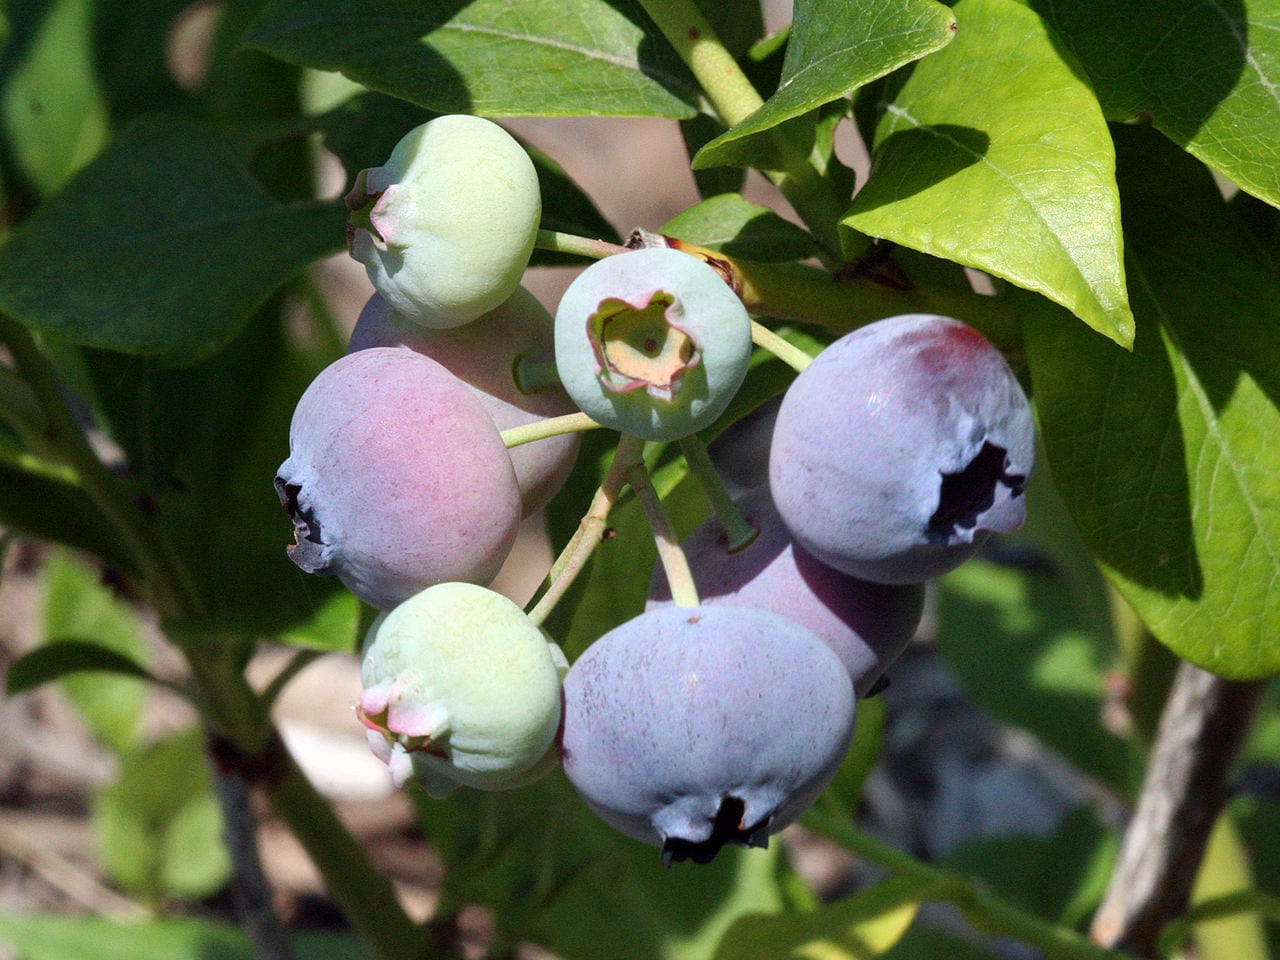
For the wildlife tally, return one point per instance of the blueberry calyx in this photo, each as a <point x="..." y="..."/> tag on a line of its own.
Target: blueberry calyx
<point x="965" y="495"/>
<point x="637" y="345"/>
<point x="727" y="827"/>
<point x="308" y="549"/>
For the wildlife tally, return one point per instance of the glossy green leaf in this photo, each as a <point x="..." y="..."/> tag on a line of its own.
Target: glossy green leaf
<point x="56" y="660"/>
<point x="44" y="936"/>
<point x="77" y="606"/>
<point x="164" y="245"/>
<point x="159" y="827"/>
<point x="836" y="46"/>
<point x="489" y="57"/>
<point x="53" y="110"/>
<point x="995" y="154"/>
<point x="858" y="927"/>
<point x="735" y="226"/>
<point x="1166" y="455"/>
<point x="1206" y="74"/>
<point x="131" y="41"/>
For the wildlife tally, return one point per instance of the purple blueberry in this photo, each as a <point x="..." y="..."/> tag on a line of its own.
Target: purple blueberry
<point x="485" y="355"/>
<point x="866" y="624"/>
<point x="396" y="478"/>
<point x="693" y="727"/>
<point x="901" y="448"/>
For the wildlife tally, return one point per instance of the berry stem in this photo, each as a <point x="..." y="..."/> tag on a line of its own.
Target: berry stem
<point x="551" y="427"/>
<point x="531" y="375"/>
<point x="739" y="532"/>
<point x="734" y="99"/>
<point x="556" y="242"/>
<point x="987" y="913"/>
<point x="789" y="354"/>
<point x="684" y="591"/>
<point x="590" y="530"/>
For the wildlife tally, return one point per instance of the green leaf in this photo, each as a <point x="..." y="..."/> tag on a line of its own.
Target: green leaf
<point x="1031" y="640"/>
<point x="1165" y="455"/>
<point x="555" y="874"/>
<point x="159" y="826"/>
<point x="836" y="46"/>
<point x="1060" y="878"/>
<point x="1207" y="75"/>
<point x="53" y="109"/>
<point x="62" y="657"/>
<point x="735" y="226"/>
<point x="489" y="57"/>
<point x="994" y="154"/>
<point x="59" y="937"/>
<point x="77" y="606"/>
<point x="41" y="506"/>
<point x="164" y="245"/>
<point x="858" y="927"/>
<point x="131" y="41"/>
<point x="205" y="441"/>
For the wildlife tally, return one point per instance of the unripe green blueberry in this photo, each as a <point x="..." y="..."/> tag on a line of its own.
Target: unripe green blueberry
<point x="461" y="687"/>
<point x="652" y="342"/>
<point x="446" y="227"/>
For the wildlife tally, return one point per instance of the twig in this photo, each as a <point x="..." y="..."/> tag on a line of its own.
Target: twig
<point x="1201" y="729"/>
<point x="249" y="888"/>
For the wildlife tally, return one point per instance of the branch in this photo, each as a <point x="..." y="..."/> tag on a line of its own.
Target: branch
<point x="1201" y="730"/>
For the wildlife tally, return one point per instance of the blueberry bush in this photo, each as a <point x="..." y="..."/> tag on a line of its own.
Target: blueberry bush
<point x="1036" y="371"/>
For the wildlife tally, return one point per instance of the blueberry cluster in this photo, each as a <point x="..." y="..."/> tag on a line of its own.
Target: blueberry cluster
<point x="699" y="722"/>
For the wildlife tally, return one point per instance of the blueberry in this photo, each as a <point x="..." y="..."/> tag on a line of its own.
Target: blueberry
<point x="901" y="448"/>
<point x="693" y="727"/>
<point x="486" y="355"/>
<point x="652" y="342"/>
<point x="396" y="478"/>
<point x="866" y="624"/>
<point x="446" y="226"/>
<point x="460" y="687"/>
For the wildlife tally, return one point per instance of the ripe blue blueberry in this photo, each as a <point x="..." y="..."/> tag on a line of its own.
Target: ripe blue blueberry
<point x="692" y="727"/>
<point x="901" y="448"/>
<point x="867" y="624"/>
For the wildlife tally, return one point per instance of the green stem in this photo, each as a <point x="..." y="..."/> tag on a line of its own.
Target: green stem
<point x="557" y="242"/>
<point x="674" y="563"/>
<point x="162" y="570"/>
<point x="573" y="558"/>
<point x="734" y="99"/>
<point x="788" y="353"/>
<point x="739" y="532"/>
<point x="988" y="914"/>
<point x="551" y="427"/>
<point x="365" y="893"/>
<point x="806" y="295"/>
<point x="532" y="375"/>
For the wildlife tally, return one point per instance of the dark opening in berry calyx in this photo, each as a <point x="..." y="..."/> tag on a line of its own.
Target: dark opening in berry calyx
<point x="727" y="827"/>
<point x="967" y="494"/>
